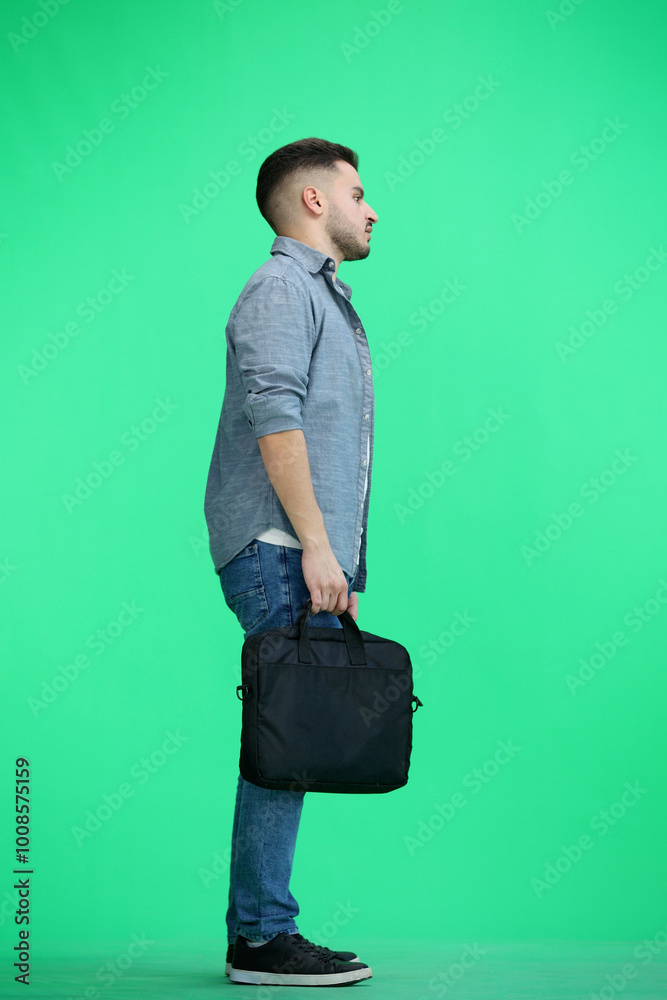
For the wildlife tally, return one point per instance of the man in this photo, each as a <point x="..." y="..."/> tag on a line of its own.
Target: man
<point x="287" y="501"/>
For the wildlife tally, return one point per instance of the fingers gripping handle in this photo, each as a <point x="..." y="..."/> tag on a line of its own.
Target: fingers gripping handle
<point x="352" y="635"/>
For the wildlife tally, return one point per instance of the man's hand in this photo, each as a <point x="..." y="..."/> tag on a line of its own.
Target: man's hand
<point x="353" y="604"/>
<point x="324" y="578"/>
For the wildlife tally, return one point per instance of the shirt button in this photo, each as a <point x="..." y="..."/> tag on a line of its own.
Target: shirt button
<point x="331" y="265"/>
<point x="361" y="505"/>
<point x="364" y="462"/>
<point x="358" y="330"/>
<point x="368" y="371"/>
<point x="365" y="416"/>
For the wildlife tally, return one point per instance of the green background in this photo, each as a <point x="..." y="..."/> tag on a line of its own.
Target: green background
<point x="488" y="541"/>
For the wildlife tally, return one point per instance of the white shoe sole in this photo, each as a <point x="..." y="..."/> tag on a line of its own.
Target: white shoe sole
<point x="293" y="979"/>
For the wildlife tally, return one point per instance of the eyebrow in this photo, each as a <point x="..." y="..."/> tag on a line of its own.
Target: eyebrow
<point x="359" y="189"/>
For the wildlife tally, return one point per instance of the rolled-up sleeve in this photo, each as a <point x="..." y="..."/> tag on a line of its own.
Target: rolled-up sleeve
<point x="272" y="335"/>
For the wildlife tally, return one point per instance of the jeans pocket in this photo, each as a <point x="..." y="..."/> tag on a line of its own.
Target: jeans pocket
<point x="243" y="588"/>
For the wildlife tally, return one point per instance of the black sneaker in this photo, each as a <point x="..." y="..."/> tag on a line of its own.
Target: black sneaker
<point x="342" y="956"/>
<point x="291" y="960"/>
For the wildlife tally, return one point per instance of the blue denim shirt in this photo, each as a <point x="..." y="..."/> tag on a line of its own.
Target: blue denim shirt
<point x="297" y="357"/>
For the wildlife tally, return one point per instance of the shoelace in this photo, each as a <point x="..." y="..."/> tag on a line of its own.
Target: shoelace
<point x="319" y="951"/>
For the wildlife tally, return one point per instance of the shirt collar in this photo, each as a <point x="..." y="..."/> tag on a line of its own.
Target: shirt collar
<point x="313" y="260"/>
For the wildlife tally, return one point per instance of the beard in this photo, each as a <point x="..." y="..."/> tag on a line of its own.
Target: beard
<point x="351" y="244"/>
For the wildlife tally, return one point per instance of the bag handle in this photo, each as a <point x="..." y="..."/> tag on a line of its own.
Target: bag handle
<point x="352" y="635"/>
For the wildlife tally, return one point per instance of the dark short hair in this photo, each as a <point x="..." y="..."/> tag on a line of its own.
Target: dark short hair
<point x="294" y="157"/>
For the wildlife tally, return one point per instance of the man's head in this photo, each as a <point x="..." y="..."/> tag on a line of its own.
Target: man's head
<point x="310" y="190"/>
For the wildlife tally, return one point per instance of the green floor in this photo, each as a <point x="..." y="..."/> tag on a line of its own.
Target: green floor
<point x="514" y="970"/>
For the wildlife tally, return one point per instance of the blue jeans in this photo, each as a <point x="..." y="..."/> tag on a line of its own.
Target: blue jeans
<point x="264" y="586"/>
